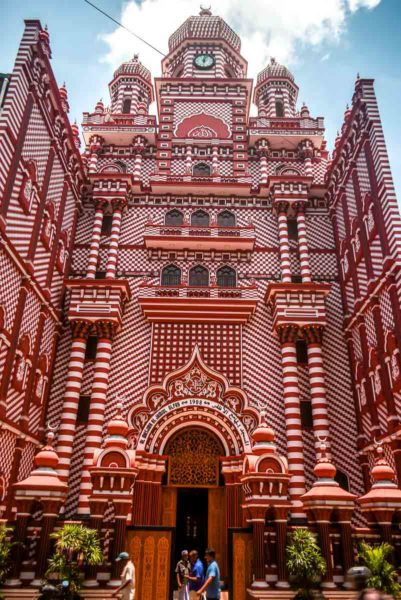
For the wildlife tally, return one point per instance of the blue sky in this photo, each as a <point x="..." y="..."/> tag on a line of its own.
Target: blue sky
<point x="324" y="42"/>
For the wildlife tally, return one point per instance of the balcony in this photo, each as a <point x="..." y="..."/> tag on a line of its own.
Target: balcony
<point x="118" y="129"/>
<point x="187" y="184"/>
<point x="199" y="238"/>
<point x="208" y="304"/>
<point x="97" y="299"/>
<point x="297" y="303"/>
<point x="286" y="132"/>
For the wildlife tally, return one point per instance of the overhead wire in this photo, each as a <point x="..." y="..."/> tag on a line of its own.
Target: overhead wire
<point x="123" y="26"/>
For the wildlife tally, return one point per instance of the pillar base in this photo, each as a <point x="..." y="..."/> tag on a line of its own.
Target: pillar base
<point x="114" y="583"/>
<point x="90" y="583"/>
<point x="260" y="585"/>
<point x="328" y="585"/>
<point x="283" y="585"/>
<point x="13" y="582"/>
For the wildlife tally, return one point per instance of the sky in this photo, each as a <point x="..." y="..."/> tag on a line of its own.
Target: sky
<point x="325" y="43"/>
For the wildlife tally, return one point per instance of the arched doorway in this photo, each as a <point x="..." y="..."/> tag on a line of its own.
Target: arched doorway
<point x="193" y="474"/>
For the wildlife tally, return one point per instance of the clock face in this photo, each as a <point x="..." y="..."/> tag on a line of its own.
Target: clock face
<point x="204" y="61"/>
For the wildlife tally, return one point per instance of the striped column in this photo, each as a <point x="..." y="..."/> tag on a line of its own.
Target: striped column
<point x="313" y="336"/>
<point x="263" y="168"/>
<point x="94" y="248"/>
<point x="137" y="166"/>
<point x="283" y="241"/>
<point x="66" y="432"/>
<point x="188" y="161"/>
<point x="113" y="248"/>
<point x="138" y="148"/>
<point x="94" y="430"/>
<point x="303" y="244"/>
<point x="292" y="411"/>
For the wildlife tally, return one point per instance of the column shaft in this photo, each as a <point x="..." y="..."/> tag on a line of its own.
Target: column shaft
<point x="346" y="543"/>
<point x="303" y="247"/>
<point x="113" y="248"/>
<point x="66" y="431"/>
<point x="94" y="248"/>
<point x="295" y="451"/>
<point x="94" y="430"/>
<point x="281" y="543"/>
<point x="258" y="533"/>
<point x="324" y="538"/>
<point x="318" y="392"/>
<point x="284" y="247"/>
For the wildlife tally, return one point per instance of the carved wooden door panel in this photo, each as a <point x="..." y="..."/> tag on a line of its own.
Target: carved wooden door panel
<point x="242" y="564"/>
<point x="151" y="552"/>
<point x="217" y="530"/>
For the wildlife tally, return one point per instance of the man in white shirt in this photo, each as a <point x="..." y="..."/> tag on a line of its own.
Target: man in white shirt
<point x="127" y="587"/>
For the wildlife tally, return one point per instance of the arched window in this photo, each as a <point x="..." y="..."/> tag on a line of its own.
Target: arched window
<point x="174" y="217"/>
<point x="226" y="277"/>
<point x="201" y="170"/>
<point x="279" y="108"/>
<point x="200" y="218"/>
<point x="171" y="275"/>
<point x="198" y="276"/>
<point x="126" y="106"/>
<point x="226" y="219"/>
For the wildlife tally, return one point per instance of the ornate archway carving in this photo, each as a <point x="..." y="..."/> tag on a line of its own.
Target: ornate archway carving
<point x="194" y="395"/>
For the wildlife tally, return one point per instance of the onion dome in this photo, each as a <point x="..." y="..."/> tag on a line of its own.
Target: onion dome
<point x="44" y="36"/>
<point x="99" y="108"/>
<point x="382" y="472"/>
<point x="44" y="478"/>
<point x="75" y="134"/>
<point x="305" y="111"/>
<point x="347" y="113"/>
<point x="117" y="430"/>
<point x="133" y="67"/>
<point x="206" y="27"/>
<point x="274" y="71"/>
<point x="263" y="436"/>
<point x="64" y="98"/>
<point x="324" y="468"/>
<point x="384" y="493"/>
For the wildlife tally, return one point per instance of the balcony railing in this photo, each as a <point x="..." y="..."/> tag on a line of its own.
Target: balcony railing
<point x="188" y="303"/>
<point x="196" y="237"/>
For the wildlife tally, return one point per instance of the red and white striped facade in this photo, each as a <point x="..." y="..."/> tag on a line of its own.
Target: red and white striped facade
<point x="309" y="323"/>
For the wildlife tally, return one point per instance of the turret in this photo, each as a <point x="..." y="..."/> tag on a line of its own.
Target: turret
<point x="276" y="93"/>
<point x="131" y="89"/>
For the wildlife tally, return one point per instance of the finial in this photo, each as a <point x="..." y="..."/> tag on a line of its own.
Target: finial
<point x="205" y="11"/>
<point x="46" y="28"/>
<point x="136" y="56"/>
<point x="323" y="445"/>
<point x="357" y="75"/>
<point x="272" y="60"/>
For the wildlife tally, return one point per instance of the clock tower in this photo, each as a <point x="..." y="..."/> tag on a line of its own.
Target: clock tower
<point x="203" y="102"/>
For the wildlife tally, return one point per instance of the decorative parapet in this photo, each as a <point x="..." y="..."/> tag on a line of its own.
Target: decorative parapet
<point x="210" y="304"/>
<point x="95" y="300"/>
<point x="118" y="129"/>
<point x="286" y="132"/>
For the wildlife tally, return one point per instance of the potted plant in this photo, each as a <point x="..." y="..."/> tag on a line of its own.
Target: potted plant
<point x="5" y="552"/>
<point x="305" y="563"/>
<point x="76" y="547"/>
<point x="383" y="575"/>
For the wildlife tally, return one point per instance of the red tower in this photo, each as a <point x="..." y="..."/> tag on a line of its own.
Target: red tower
<point x="225" y="274"/>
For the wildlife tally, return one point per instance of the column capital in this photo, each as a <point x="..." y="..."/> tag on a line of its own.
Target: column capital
<point x="300" y="207"/>
<point x="80" y="329"/>
<point x="288" y="333"/>
<point x="106" y="329"/>
<point x="281" y="206"/>
<point x="313" y="334"/>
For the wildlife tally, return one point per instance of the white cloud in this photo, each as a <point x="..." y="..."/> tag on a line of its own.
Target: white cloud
<point x="266" y="27"/>
<point x="325" y="57"/>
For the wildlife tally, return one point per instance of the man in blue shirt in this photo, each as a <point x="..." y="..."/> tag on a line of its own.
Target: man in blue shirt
<point x="212" y="581"/>
<point x="196" y="574"/>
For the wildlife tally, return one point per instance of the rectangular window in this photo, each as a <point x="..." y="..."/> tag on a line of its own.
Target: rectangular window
<point x="292" y="229"/>
<point x="306" y="413"/>
<point x="91" y="347"/>
<point x="106" y="224"/>
<point x="302" y="352"/>
<point x="83" y="409"/>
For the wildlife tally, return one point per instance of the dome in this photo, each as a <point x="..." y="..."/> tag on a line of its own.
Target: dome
<point x="274" y="71"/>
<point x="133" y="67"/>
<point x="204" y="26"/>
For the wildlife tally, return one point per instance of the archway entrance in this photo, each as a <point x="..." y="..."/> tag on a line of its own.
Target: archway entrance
<point x="193" y="474"/>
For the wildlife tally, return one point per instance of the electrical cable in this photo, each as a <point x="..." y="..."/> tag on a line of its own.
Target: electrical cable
<point x="123" y="26"/>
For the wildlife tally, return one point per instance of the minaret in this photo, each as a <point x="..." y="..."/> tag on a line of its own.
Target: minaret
<point x="276" y="92"/>
<point x="131" y="88"/>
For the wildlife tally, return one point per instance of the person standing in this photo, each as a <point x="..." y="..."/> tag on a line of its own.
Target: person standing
<point x="182" y="574"/>
<point x="196" y="574"/>
<point x="127" y="587"/>
<point x="212" y="581"/>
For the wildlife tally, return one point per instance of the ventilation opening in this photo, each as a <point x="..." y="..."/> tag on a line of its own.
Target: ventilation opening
<point x="306" y="414"/>
<point x="279" y="108"/>
<point x="107" y="224"/>
<point x="91" y="347"/>
<point x="292" y="229"/>
<point x="83" y="409"/>
<point x="302" y="352"/>
<point x="126" y="106"/>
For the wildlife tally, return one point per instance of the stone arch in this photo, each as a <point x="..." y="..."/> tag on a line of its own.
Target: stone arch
<point x="202" y="126"/>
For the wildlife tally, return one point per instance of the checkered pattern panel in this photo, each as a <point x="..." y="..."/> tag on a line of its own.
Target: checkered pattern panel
<point x="363" y="175"/>
<point x="339" y="394"/>
<point x="319" y="169"/>
<point x="221" y="110"/>
<point x="351" y="202"/>
<point x="80" y="259"/>
<point x="382" y="414"/>
<point x="26" y="463"/>
<point x="386" y="310"/>
<point x="356" y="341"/>
<point x="174" y="343"/>
<point x="59" y="376"/>
<point x="178" y="166"/>
<point x="7" y="440"/>
<point x="319" y="231"/>
<point x="370" y="328"/>
<point x="9" y="289"/>
<point x="37" y="143"/>
<point x="323" y="264"/>
<point x="362" y="277"/>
